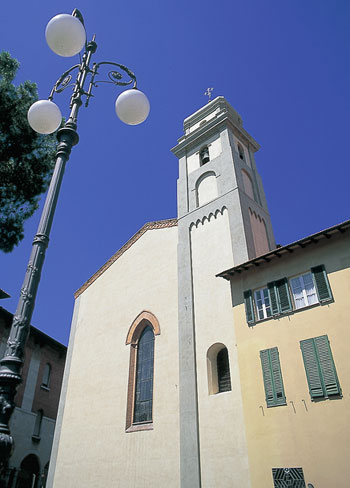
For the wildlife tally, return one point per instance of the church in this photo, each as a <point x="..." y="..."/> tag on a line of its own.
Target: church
<point x="203" y="355"/>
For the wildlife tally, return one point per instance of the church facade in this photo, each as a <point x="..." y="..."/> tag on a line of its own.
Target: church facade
<point x="158" y="387"/>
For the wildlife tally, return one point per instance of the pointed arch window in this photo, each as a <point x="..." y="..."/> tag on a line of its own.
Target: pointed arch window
<point x="144" y="377"/>
<point x="141" y="337"/>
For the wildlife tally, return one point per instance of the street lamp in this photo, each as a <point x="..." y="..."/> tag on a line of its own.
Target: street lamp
<point x="65" y="35"/>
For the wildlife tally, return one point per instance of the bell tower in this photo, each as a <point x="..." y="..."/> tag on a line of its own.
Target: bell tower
<point x="223" y="220"/>
<point x="217" y="169"/>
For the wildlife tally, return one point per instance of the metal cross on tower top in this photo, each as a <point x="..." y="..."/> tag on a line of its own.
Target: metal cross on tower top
<point x="208" y="93"/>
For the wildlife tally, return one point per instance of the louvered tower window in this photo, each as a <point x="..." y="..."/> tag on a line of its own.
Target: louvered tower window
<point x="223" y="368"/>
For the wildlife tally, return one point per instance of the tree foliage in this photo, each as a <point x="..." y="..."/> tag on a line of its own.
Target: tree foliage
<point x="26" y="158"/>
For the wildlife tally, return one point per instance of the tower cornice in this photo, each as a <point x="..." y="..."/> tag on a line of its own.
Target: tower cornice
<point x="223" y="113"/>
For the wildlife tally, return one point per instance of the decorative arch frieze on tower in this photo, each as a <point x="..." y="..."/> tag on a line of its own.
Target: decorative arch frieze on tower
<point x="223" y="220"/>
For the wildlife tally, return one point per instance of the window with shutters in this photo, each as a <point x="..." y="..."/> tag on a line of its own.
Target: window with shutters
<point x="320" y="369"/>
<point x="284" y="296"/>
<point x="219" y="379"/>
<point x="304" y="290"/>
<point x="262" y="303"/>
<point x="272" y="376"/>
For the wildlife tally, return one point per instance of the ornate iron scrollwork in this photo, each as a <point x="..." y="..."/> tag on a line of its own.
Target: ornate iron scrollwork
<point x="63" y="84"/>
<point x="121" y="77"/>
<point x="115" y="77"/>
<point x="64" y="81"/>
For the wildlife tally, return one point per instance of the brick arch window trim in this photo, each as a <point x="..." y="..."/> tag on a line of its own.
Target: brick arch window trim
<point x="135" y="332"/>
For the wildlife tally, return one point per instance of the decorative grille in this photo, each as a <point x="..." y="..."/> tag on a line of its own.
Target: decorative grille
<point x="288" y="478"/>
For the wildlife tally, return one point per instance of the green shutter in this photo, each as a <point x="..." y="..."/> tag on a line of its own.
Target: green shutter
<point x="272" y="377"/>
<point x="249" y="310"/>
<point x="280" y="398"/>
<point x="285" y="303"/>
<point x="313" y="373"/>
<point x="319" y="366"/>
<point x="267" y="377"/>
<point x="329" y="373"/>
<point x="279" y="296"/>
<point x="322" y="285"/>
<point x="273" y="298"/>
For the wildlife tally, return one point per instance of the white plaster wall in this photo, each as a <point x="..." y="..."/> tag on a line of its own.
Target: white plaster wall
<point x="224" y="462"/>
<point x="94" y="449"/>
<point x="215" y="148"/>
<point x="193" y="162"/>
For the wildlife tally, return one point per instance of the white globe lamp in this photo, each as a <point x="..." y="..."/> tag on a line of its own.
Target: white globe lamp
<point x="44" y="117"/>
<point x="65" y="35"/>
<point x="132" y="107"/>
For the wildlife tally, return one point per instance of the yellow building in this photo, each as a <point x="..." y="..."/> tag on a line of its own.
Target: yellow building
<point x="291" y="317"/>
<point x="163" y="385"/>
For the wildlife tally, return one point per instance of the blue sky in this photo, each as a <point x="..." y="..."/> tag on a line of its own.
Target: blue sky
<point x="284" y="66"/>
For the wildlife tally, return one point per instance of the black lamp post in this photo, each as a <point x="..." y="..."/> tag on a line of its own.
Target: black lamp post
<point x="66" y="36"/>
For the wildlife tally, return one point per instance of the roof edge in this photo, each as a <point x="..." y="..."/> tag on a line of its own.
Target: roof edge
<point x="36" y="332"/>
<point x="284" y="250"/>
<point x="157" y="224"/>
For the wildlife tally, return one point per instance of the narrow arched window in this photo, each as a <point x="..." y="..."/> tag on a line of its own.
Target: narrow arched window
<point x="46" y="376"/>
<point x="240" y="151"/>
<point x="223" y="369"/>
<point x="144" y="377"/>
<point x="38" y="422"/>
<point x="204" y="155"/>
<point x="219" y="379"/>
<point x="139" y="404"/>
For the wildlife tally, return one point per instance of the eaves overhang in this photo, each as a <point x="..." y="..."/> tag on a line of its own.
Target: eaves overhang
<point x="3" y="294"/>
<point x="38" y="335"/>
<point x="283" y="251"/>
